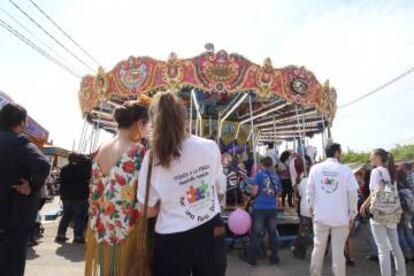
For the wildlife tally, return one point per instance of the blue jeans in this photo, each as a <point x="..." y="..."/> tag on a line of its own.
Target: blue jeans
<point x="263" y="219"/>
<point x="77" y="209"/>
<point x="406" y="234"/>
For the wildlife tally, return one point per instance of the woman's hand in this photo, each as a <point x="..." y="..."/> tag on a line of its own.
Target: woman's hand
<point x="363" y="210"/>
<point x="364" y="206"/>
<point x="152" y="212"/>
<point x="254" y="190"/>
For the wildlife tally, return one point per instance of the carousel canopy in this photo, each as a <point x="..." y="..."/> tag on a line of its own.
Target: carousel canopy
<point x="217" y="87"/>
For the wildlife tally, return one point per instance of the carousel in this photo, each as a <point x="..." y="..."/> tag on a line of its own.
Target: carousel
<point x="229" y="99"/>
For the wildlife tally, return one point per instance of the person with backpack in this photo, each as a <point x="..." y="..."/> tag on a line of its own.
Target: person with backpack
<point x="385" y="208"/>
<point x="265" y="187"/>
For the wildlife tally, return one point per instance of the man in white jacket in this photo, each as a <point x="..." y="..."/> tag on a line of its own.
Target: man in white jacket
<point x="332" y="197"/>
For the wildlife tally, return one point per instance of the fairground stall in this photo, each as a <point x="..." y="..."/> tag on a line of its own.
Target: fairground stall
<point x="57" y="156"/>
<point x="37" y="134"/>
<point x="230" y="99"/>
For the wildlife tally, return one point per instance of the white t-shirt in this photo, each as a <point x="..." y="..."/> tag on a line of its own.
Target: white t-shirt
<point x="374" y="182"/>
<point x="304" y="206"/>
<point x="329" y="184"/>
<point x="188" y="190"/>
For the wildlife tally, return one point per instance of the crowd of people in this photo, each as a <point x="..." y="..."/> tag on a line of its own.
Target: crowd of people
<point x="156" y="210"/>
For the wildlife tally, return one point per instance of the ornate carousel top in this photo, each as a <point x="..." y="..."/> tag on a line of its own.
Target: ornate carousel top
<point x="286" y="102"/>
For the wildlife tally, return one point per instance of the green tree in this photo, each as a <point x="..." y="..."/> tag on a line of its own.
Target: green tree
<point x="353" y="157"/>
<point x="400" y="153"/>
<point x="403" y="153"/>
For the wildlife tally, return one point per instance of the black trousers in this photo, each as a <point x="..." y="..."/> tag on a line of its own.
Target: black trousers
<point x="13" y="243"/>
<point x="197" y="252"/>
<point x="287" y="191"/>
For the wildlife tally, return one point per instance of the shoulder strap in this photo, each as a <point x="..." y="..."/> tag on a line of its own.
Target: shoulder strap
<point x="270" y="178"/>
<point x="383" y="179"/>
<point x="148" y="184"/>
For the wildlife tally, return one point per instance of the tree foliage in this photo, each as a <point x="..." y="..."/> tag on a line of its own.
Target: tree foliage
<point x="403" y="153"/>
<point x="400" y="153"/>
<point x="353" y="157"/>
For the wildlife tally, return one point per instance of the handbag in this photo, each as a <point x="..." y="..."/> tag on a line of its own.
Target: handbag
<point x="146" y="229"/>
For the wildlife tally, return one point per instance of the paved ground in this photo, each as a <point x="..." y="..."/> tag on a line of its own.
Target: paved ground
<point x="51" y="259"/>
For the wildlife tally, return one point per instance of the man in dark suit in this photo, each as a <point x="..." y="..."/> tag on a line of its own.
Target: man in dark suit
<point x="23" y="170"/>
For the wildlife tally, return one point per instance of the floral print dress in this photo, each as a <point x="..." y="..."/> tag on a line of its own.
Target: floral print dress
<point x="114" y="208"/>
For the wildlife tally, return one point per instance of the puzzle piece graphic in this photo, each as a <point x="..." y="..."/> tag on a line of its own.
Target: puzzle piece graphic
<point x="192" y="194"/>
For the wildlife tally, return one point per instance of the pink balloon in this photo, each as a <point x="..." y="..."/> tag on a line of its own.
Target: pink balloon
<point x="239" y="222"/>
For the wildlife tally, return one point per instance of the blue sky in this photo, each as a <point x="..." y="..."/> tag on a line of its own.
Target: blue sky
<point x="357" y="45"/>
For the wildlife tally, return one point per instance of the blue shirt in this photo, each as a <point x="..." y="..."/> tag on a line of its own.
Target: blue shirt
<point x="269" y="184"/>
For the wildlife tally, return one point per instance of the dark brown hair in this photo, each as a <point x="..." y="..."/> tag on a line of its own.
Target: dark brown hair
<point x="168" y="117"/>
<point x="12" y="115"/>
<point x="388" y="161"/>
<point x="331" y="149"/>
<point x="131" y="112"/>
<point x="267" y="162"/>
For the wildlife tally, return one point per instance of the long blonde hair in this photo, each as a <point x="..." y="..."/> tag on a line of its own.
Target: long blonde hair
<point x="168" y="118"/>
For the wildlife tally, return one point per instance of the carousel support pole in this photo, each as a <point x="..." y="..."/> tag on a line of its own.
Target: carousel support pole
<point x="218" y="128"/>
<point x="85" y="139"/>
<point x="91" y="138"/>
<point x="229" y="110"/>
<point x="252" y="128"/>
<point x="201" y="131"/>
<point x="96" y="141"/>
<point x="329" y="132"/>
<point x="190" y="126"/>
<point x="196" y="127"/>
<point x="210" y="127"/>
<point x="304" y="140"/>
<point x="298" y="126"/>
<point x="323" y="138"/>
<point x="303" y="128"/>
<point x="199" y="117"/>
<point x="237" y="132"/>
<point x="301" y="137"/>
<point x="82" y="135"/>
<point x="98" y="135"/>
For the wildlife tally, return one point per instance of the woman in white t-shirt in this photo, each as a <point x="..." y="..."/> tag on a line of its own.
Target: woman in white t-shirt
<point x="385" y="234"/>
<point x="187" y="179"/>
<point x="305" y="226"/>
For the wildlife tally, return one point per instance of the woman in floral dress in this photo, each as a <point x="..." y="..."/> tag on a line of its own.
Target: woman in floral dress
<point x="112" y="233"/>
